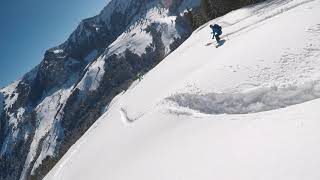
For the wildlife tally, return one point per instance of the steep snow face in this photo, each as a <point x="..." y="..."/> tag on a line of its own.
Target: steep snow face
<point x="48" y="116"/>
<point x="246" y="109"/>
<point x="137" y="38"/>
<point x="12" y="116"/>
<point x="93" y="76"/>
<point x="12" y="96"/>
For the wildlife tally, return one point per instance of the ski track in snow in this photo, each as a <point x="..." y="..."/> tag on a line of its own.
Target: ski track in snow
<point x="126" y="118"/>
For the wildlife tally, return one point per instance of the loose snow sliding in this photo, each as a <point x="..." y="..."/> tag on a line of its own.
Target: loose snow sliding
<point x="249" y="101"/>
<point x="246" y="110"/>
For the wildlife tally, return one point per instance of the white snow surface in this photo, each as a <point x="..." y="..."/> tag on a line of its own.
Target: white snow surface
<point x="93" y="76"/>
<point x="58" y="51"/>
<point x="12" y="96"/>
<point x="245" y="110"/>
<point x="136" y="39"/>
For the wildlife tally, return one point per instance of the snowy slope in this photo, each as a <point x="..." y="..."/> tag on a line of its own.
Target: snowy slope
<point x="244" y="110"/>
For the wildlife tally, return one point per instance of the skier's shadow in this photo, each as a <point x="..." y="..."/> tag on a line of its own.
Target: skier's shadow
<point x="220" y="43"/>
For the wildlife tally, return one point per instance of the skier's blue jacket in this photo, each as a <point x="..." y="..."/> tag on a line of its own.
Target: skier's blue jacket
<point x="216" y="29"/>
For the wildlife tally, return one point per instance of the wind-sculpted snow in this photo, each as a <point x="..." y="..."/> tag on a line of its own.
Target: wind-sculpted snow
<point x="250" y="101"/>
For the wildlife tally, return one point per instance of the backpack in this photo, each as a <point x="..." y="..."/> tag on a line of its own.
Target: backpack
<point x="216" y="26"/>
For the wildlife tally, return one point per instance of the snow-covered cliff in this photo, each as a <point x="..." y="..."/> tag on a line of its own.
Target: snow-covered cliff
<point x="48" y="109"/>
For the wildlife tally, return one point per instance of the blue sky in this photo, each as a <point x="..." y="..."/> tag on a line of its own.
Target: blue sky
<point x="29" y="27"/>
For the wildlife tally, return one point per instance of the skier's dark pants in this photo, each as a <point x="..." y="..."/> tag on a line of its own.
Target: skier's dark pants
<point x="217" y="35"/>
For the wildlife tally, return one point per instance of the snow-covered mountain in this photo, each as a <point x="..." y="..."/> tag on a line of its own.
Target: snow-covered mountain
<point x="244" y="110"/>
<point x="48" y="109"/>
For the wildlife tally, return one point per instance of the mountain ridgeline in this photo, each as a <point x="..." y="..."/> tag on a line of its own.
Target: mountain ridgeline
<point x="45" y="112"/>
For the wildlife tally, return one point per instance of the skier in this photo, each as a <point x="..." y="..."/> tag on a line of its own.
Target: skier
<point x="216" y="31"/>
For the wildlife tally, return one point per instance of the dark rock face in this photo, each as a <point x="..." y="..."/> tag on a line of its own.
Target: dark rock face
<point x="50" y="111"/>
<point x="53" y="72"/>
